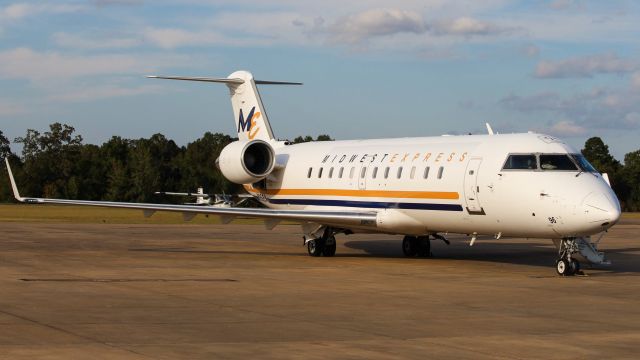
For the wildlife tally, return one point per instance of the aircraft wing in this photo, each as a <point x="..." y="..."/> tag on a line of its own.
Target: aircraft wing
<point x="335" y="218"/>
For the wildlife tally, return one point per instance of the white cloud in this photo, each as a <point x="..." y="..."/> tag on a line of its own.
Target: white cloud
<point x="566" y="5"/>
<point x="635" y="80"/>
<point x="169" y="38"/>
<point x="588" y="66"/>
<point x="376" y="23"/>
<point x="11" y="108"/>
<point x="566" y="128"/>
<point x="104" y="3"/>
<point x="632" y="120"/>
<point x="40" y="67"/>
<point x="77" y="41"/>
<point x="531" y="50"/>
<point x="97" y="92"/>
<point x="19" y="11"/>
<point x="599" y="108"/>
<point x="468" y="26"/>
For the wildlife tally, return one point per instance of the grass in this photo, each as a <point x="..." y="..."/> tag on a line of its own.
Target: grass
<point x="96" y="215"/>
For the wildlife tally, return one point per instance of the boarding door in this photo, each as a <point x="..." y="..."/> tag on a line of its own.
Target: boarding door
<point x="362" y="177"/>
<point x="471" y="188"/>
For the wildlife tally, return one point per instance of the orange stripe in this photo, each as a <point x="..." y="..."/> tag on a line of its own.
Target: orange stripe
<point x="361" y="193"/>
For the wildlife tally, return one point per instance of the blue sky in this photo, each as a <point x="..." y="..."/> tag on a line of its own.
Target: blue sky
<point x="370" y="69"/>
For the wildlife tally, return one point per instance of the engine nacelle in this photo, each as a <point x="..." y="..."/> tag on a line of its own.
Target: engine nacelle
<point x="246" y="162"/>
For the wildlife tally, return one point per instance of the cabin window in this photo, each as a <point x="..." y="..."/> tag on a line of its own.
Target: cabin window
<point x="521" y="162"/>
<point x="426" y="173"/>
<point x="363" y="172"/>
<point x="320" y="173"/>
<point x="557" y="162"/>
<point x="399" y="172"/>
<point x="413" y="172"/>
<point x="440" y="171"/>
<point x="353" y="169"/>
<point x="341" y="172"/>
<point x="386" y="172"/>
<point x="374" y="174"/>
<point x="309" y="172"/>
<point x="330" y="173"/>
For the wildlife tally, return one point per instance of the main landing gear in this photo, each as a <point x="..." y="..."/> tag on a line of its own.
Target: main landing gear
<point x="566" y="265"/>
<point x="324" y="245"/>
<point x="416" y="246"/>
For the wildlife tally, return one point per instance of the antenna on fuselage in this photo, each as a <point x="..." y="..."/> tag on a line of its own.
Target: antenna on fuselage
<point x="489" y="129"/>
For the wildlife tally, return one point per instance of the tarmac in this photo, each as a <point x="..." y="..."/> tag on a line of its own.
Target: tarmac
<point x="101" y="291"/>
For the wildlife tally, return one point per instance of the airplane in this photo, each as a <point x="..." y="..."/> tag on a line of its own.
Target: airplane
<point x="525" y="185"/>
<point x="215" y="200"/>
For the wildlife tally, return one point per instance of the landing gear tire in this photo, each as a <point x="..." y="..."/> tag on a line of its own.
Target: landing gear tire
<point x="410" y="246"/>
<point x="329" y="247"/>
<point x="565" y="267"/>
<point x="424" y="246"/>
<point x="315" y="247"/>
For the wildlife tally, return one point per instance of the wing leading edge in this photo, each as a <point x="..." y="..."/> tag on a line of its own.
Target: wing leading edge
<point x="335" y="218"/>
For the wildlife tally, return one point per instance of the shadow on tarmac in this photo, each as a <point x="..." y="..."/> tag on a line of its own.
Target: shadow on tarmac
<point x="506" y="251"/>
<point x="624" y="260"/>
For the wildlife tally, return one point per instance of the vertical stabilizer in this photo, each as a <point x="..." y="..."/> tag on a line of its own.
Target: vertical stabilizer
<point x="251" y="119"/>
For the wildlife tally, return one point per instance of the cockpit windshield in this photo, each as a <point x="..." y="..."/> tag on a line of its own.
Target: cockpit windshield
<point x="548" y="162"/>
<point x="521" y="162"/>
<point x="557" y="162"/>
<point x="584" y="164"/>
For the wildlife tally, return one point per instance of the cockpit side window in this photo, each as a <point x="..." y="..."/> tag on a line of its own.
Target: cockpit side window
<point x="557" y="162"/>
<point x="521" y="162"/>
<point x="584" y="164"/>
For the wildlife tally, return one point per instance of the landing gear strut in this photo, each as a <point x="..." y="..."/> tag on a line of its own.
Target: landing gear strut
<point x="420" y="246"/>
<point x="324" y="245"/>
<point x="566" y="265"/>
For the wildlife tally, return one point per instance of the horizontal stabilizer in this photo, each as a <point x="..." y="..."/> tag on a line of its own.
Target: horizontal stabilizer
<point x="222" y="80"/>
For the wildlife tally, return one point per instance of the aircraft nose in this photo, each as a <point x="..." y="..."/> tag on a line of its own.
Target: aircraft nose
<point x="602" y="208"/>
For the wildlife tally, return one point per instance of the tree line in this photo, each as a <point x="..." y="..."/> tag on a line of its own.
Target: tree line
<point x="58" y="164"/>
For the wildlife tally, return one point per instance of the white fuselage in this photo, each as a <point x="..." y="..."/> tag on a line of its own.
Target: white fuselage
<point x="464" y="190"/>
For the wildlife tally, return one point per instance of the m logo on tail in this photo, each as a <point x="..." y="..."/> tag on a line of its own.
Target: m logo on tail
<point x="249" y="124"/>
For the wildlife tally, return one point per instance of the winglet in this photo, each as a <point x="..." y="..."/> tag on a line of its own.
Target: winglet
<point x="16" y="193"/>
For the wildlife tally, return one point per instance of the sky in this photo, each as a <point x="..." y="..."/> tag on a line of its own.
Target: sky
<point x="370" y="68"/>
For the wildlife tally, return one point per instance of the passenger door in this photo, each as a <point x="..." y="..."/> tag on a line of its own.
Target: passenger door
<point x="471" y="188"/>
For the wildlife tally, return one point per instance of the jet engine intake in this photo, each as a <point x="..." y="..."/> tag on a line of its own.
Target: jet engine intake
<point x="246" y="162"/>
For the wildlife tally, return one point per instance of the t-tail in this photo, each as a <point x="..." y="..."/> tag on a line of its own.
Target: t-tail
<point x="251" y="118"/>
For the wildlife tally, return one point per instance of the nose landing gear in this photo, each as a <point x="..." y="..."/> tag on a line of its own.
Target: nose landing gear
<point x="572" y="251"/>
<point x="566" y="265"/>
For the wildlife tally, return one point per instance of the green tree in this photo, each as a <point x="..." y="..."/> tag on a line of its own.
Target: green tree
<point x="597" y="152"/>
<point x="50" y="161"/>
<point x="5" y="148"/>
<point x="153" y="166"/>
<point x="118" y="182"/>
<point x="197" y="165"/>
<point x="309" y="138"/>
<point x="324" y="137"/>
<point x="631" y="175"/>
<point x="5" y="151"/>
